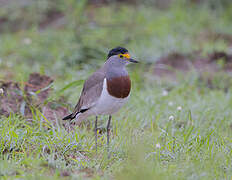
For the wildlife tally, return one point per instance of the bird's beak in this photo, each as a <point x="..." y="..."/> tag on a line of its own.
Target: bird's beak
<point x="132" y="60"/>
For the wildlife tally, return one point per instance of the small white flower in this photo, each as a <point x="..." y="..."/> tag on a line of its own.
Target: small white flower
<point x="1" y="91"/>
<point x="27" y="41"/>
<point x="170" y="103"/>
<point x="179" y="108"/>
<point x="158" y="146"/>
<point x="171" y="118"/>
<point x="165" y="93"/>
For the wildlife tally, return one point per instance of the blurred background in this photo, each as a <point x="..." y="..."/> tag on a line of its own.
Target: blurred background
<point x="68" y="35"/>
<point x="180" y="105"/>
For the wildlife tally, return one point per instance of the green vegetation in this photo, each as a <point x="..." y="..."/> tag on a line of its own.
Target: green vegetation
<point x="170" y="129"/>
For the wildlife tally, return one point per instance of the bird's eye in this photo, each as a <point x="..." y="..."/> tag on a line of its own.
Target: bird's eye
<point x="121" y="56"/>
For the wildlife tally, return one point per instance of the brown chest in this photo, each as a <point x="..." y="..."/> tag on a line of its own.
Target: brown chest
<point x="119" y="86"/>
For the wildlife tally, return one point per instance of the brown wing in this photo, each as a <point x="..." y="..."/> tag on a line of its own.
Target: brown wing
<point x="91" y="91"/>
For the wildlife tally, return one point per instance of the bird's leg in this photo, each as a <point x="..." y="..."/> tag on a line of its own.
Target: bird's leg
<point x="108" y="134"/>
<point x="95" y="130"/>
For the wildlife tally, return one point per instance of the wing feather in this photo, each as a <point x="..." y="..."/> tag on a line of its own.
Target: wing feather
<point x="91" y="91"/>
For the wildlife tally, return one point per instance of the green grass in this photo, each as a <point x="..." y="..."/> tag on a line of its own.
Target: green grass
<point x="195" y="145"/>
<point x="145" y="142"/>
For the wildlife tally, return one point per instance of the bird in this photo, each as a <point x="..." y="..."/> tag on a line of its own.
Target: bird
<point x="105" y="91"/>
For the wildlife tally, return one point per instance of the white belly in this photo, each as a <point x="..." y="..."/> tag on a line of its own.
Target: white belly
<point x="108" y="104"/>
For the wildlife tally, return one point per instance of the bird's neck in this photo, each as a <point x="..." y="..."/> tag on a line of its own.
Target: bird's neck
<point x="114" y="72"/>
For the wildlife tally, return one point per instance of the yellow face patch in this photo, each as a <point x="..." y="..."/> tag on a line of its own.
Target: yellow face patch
<point x="127" y="56"/>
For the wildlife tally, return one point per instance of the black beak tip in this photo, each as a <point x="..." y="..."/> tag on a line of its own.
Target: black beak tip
<point x="133" y="61"/>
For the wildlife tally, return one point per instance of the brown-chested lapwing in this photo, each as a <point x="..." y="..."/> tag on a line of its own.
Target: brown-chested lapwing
<point x="106" y="90"/>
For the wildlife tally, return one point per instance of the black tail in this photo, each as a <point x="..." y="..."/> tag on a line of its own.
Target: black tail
<point x="70" y="116"/>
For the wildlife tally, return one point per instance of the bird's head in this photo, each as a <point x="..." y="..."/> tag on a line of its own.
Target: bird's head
<point x="120" y="56"/>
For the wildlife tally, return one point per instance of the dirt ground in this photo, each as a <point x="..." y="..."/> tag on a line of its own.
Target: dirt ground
<point x="31" y="96"/>
<point x="169" y="65"/>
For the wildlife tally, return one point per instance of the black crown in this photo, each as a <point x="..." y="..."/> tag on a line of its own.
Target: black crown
<point x="117" y="50"/>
